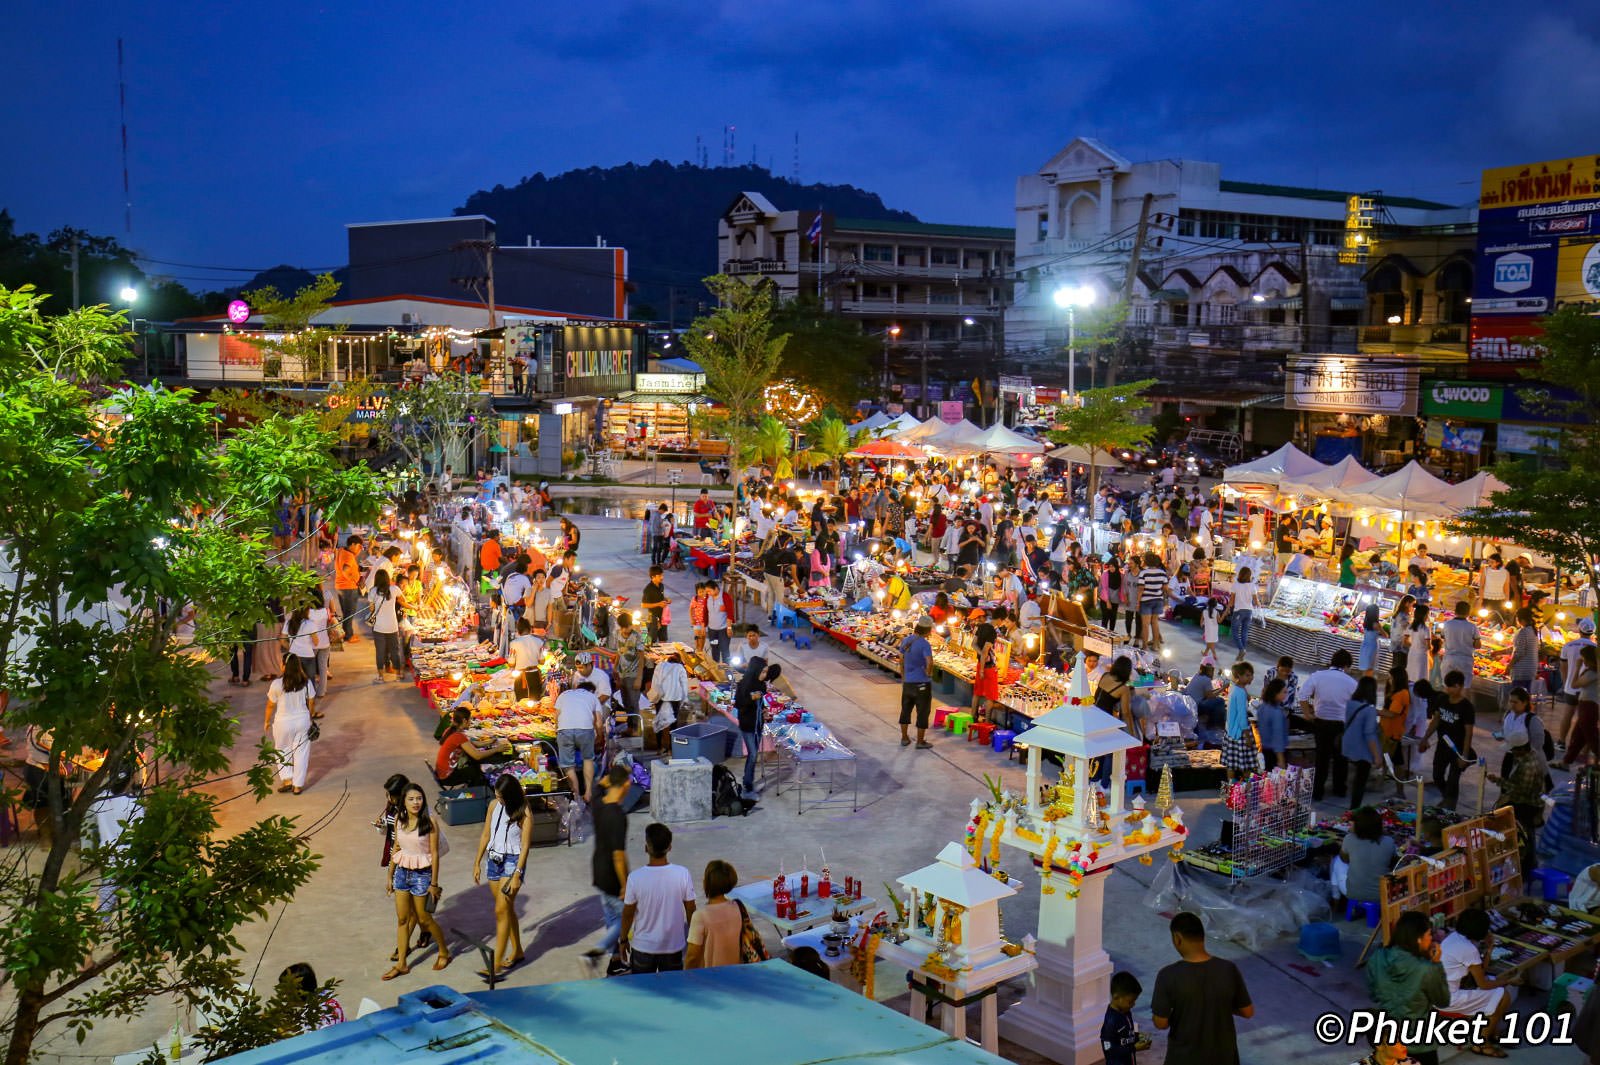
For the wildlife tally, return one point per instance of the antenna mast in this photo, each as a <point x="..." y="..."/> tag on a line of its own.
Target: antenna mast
<point x="122" y="107"/>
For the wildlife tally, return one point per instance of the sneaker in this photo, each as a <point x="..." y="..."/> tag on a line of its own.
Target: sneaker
<point x="905" y="741"/>
<point x="924" y="746"/>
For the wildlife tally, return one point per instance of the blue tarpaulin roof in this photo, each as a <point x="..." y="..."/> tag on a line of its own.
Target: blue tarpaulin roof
<point x="768" y="1014"/>
<point x="680" y="365"/>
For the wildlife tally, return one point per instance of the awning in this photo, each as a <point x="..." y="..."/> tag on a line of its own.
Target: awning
<point x="680" y="399"/>
<point x="1291" y="303"/>
<point x="1347" y="303"/>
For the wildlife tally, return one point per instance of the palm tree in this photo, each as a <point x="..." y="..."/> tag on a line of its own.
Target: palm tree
<point x="832" y="441"/>
<point x="772" y="443"/>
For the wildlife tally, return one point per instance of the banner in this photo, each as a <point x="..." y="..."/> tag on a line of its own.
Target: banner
<point x="1346" y="386"/>
<point x="1468" y="441"/>
<point x="1526" y="439"/>
<point x="233" y="351"/>
<point x="1496" y="346"/>
<point x="1537" y="225"/>
<point x="951" y="411"/>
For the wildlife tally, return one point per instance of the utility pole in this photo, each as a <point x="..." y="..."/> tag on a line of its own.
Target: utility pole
<point x="488" y="258"/>
<point x="1131" y="276"/>
<point x="76" y="240"/>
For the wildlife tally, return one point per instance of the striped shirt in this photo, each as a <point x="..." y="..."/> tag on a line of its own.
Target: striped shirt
<point x="1152" y="583"/>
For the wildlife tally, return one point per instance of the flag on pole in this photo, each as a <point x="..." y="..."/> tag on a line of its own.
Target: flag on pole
<point x="814" y="234"/>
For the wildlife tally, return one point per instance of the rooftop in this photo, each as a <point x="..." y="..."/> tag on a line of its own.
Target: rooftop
<point x="1297" y="192"/>
<point x="923" y="229"/>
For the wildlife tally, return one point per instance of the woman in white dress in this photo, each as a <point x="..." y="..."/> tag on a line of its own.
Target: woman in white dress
<point x="290" y="702"/>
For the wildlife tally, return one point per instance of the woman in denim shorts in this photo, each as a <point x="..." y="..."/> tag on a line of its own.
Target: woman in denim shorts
<point x="506" y="839"/>
<point x="414" y="882"/>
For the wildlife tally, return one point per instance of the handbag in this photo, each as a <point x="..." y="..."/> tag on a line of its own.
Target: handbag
<point x="314" y="732"/>
<point x="751" y="947"/>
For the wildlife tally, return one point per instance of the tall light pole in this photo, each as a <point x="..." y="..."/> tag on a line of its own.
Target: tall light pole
<point x="894" y="335"/>
<point x="1071" y="299"/>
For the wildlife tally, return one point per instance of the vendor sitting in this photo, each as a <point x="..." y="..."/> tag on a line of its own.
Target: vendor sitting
<point x="896" y="593"/>
<point x="1472" y="990"/>
<point x="457" y="764"/>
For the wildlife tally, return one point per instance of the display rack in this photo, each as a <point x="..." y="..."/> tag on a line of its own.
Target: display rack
<point x="1271" y="812"/>
<point x="1493" y="844"/>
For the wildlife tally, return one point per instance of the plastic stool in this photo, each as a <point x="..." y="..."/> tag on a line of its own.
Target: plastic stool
<point x="1569" y="988"/>
<point x="980" y="731"/>
<point x="1002" y="740"/>
<point x="1017" y="751"/>
<point x="1319" y="941"/>
<point x="802" y="635"/>
<point x="958" y="723"/>
<point x="1373" y="911"/>
<point x="940" y="714"/>
<point x="1556" y="883"/>
<point x="782" y="615"/>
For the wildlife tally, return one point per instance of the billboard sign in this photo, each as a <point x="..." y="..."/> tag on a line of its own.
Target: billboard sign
<point x="1347" y="386"/>
<point x="1462" y="399"/>
<point x="1496" y="344"/>
<point x="951" y="411"/>
<point x="1538" y="250"/>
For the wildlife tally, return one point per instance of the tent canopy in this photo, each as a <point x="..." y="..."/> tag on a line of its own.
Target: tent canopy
<point x="899" y="424"/>
<point x="876" y="420"/>
<point x="957" y="437"/>
<point x="1286" y="462"/>
<point x="922" y="433"/>
<point x="1411" y="489"/>
<point x="1079" y="455"/>
<point x="1345" y="473"/>
<point x="1474" y="491"/>
<point x="889" y="449"/>
<point x="1000" y="440"/>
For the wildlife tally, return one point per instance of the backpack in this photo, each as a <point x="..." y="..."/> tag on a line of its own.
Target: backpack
<point x="726" y="799"/>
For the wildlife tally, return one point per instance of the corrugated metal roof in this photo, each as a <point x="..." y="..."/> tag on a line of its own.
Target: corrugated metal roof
<point x="768" y="1014"/>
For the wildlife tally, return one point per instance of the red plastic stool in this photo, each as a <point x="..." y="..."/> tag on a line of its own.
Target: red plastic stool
<point x="940" y="713"/>
<point x="980" y="732"/>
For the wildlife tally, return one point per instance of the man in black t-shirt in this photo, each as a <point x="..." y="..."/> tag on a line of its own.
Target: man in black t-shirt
<point x="655" y="601"/>
<point x="780" y="567"/>
<point x="1453" y="717"/>
<point x="610" y="864"/>
<point x="1196" y="999"/>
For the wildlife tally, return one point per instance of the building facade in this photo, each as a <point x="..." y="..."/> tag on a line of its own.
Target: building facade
<point x="936" y="294"/>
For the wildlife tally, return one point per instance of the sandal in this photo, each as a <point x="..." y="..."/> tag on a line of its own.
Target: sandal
<point x="443" y="962"/>
<point x="398" y="970"/>
<point x="1487" y="1051"/>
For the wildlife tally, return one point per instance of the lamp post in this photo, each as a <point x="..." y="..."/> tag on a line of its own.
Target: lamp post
<point x="128" y="294"/>
<point x="893" y="333"/>
<point x="1072" y="298"/>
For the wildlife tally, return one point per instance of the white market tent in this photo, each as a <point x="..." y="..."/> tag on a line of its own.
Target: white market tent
<point x="1411" y="490"/>
<point x="877" y="419"/>
<point x="902" y="423"/>
<point x="999" y="440"/>
<point x="956" y="438"/>
<point x="1345" y="473"/>
<point x="1079" y="455"/>
<point x="922" y="433"/>
<point x="1288" y="462"/>
<point x="1474" y="491"/>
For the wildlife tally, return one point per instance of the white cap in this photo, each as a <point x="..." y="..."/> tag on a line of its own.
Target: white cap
<point x="1586" y="626"/>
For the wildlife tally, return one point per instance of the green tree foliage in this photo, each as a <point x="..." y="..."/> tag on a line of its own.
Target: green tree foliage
<point x="830" y="438"/>
<point x="736" y="348"/>
<point x="430" y="421"/>
<point x="1554" y="508"/>
<point x="827" y="352"/>
<point x="296" y="350"/>
<point x="104" y="266"/>
<point x="122" y="521"/>
<point x="1105" y="419"/>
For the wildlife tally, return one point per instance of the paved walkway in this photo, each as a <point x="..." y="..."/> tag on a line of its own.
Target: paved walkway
<point x="912" y="804"/>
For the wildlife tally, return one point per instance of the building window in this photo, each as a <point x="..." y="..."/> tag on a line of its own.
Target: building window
<point x="877" y="253"/>
<point x="1141" y="315"/>
<point x="943" y="297"/>
<point x="1186" y="222"/>
<point x="1225" y="313"/>
<point x="1043" y="232"/>
<point x="945" y="257"/>
<point x="1255" y="228"/>
<point x="1217" y="225"/>
<point x="778" y="242"/>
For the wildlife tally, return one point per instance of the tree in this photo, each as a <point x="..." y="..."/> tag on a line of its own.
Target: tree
<point x="1099" y="337"/>
<point x="1103" y="420"/>
<point x="295" y="348"/>
<point x="735" y="347"/>
<point x="430" y="421"/>
<point x="827" y="353"/>
<point x="122" y="522"/>
<point x="1553" y="507"/>
<point x="831" y="438"/>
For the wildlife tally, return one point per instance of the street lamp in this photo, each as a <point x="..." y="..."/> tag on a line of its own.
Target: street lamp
<point x="1072" y="298"/>
<point x="128" y="294"/>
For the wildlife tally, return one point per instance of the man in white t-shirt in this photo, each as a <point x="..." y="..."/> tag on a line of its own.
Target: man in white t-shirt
<point x="656" y="906"/>
<point x="755" y="646"/>
<point x="1570" y="660"/>
<point x="598" y="677"/>
<point x="1462" y="954"/>
<point x="577" y="720"/>
<point x="514" y="592"/>
<point x="1325" y="696"/>
<point x="523" y="654"/>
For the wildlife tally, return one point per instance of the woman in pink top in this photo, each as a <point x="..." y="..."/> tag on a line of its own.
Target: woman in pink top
<point x="415" y="880"/>
<point x="715" y="930"/>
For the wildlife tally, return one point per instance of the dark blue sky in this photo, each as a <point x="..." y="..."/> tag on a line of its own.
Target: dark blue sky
<point x="258" y="130"/>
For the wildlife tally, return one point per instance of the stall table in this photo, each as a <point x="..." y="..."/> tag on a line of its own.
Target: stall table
<point x="813" y="912"/>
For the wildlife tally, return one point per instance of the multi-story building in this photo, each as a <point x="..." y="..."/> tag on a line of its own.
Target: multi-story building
<point x="937" y="294"/>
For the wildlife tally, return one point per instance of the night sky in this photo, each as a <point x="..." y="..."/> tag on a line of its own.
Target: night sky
<point x="258" y="130"/>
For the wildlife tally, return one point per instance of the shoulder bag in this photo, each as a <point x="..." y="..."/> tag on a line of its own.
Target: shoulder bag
<point x="751" y="947"/>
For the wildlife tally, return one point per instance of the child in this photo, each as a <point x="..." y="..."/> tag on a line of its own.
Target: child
<point x="1209" y="620"/>
<point x="1240" y="756"/>
<point x="1119" y="1035"/>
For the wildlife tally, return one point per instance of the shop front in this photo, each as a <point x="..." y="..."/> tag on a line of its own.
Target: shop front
<point x="657" y="413"/>
<point x="1351" y="407"/>
<point x="1472" y="423"/>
